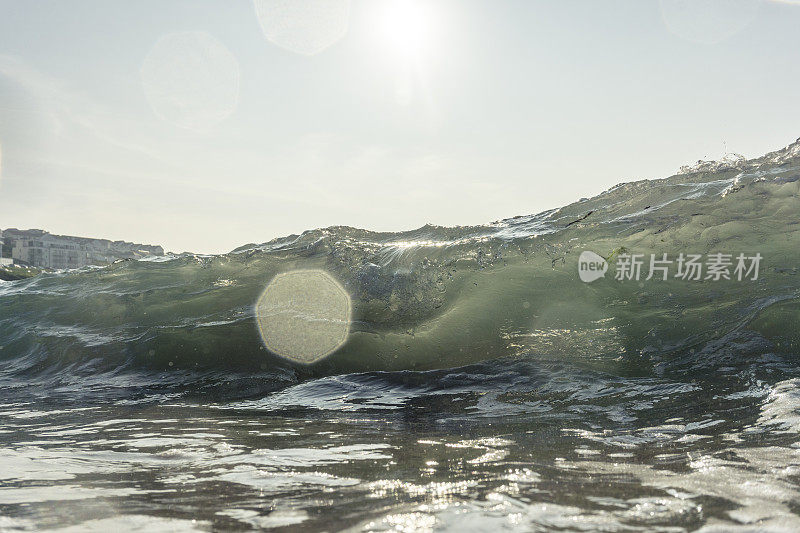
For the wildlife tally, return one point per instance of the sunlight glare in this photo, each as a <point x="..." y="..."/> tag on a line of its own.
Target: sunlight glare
<point x="406" y="26"/>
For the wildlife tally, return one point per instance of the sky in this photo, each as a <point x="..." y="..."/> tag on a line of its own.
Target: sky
<point x="202" y="125"/>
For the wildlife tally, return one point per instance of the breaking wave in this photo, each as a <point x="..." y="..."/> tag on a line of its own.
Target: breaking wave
<point x="440" y="297"/>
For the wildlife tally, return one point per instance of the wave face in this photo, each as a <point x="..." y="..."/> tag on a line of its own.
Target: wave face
<point x="441" y="297"/>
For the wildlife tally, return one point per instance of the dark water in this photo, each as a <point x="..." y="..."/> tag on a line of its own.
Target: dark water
<point x="532" y="443"/>
<point x="482" y="386"/>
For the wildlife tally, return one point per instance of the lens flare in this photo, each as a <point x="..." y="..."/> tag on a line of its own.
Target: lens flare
<point x="191" y="79"/>
<point x="708" y="21"/>
<point x="303" y="315"/>
<point x="303" y="26"/>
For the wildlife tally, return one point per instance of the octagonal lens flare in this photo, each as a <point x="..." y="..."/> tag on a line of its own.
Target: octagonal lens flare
<point x="303" y="315"/>
<point x="303" y="26"/>
<point x="191" y="79"/>
<point x="708" y="21"/>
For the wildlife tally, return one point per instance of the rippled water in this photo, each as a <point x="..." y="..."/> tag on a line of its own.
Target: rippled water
<point x="480" y="385"/>
<point x="529" y="443"/>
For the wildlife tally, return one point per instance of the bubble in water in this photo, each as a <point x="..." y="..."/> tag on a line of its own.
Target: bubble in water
<point x="191" y="79"/>
<point x="303" y="315"/>
<point x="708" y="21"/>
<point x="303" y="26"/>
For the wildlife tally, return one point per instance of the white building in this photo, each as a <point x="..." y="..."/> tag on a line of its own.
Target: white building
<point x="41" y="249"/>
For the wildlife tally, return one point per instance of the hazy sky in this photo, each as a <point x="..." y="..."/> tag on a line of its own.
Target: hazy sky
<point x="202" y="125"/>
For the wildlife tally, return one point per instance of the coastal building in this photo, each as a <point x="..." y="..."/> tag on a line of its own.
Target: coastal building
<point x="41" y="249"/>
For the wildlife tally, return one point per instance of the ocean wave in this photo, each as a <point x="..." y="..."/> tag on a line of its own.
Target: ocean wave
<point x="442" y="297"/>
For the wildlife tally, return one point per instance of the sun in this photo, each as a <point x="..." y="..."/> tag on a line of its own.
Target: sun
<point x="406" y="26"/>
